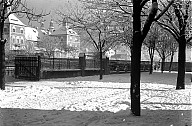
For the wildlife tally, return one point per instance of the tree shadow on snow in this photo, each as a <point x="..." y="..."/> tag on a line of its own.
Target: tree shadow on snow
<point x="34" y="117"/>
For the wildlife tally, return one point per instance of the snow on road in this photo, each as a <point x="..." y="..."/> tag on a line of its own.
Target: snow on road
<point x="93" y="96"/>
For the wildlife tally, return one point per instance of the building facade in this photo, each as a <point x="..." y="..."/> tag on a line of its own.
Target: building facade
<point x="14" y="32"/>
<point x="70" y="41"/>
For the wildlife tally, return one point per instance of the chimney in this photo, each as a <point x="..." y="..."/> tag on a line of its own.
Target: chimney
<point x="42" y="26"/>
<point x="51" y="27"/>
<point x="65" y="23"/>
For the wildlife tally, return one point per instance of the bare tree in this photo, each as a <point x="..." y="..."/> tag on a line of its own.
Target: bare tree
<point x="96" y="23"/>
<point x="140" y="30"/>
<point x="8" y="7"/>
<point x="49" y="44"/>
<point x="176" y="22"/>
<point x="29" y="48"/>
<point x="173" y="48"/>
<point x="163" y="47"/>
<point x="150" y="42"/>
<point x="122" y="9"/>
<point x="139" y="34"/>
<point x="74" y="51"/>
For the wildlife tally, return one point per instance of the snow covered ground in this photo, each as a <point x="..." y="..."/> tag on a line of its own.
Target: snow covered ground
<point x="93" y="96"/>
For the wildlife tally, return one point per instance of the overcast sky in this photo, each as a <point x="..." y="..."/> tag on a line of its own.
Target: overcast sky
<point x="46" y="5"/>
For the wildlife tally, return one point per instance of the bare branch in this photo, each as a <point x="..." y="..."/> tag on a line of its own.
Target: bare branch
<point x="150" y="19"/>
<point x="168" y="28"/>
<point x="143" y="3"/>
<point x="122" y="8"/>
<point x="189" y="39"/>
<point x="164" y="10"/>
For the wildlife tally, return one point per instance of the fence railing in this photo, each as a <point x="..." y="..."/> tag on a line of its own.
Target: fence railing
<point x="10" y="70"/>
<point x="10" y="67"/>
<point x="92" y="63"/>
<point x="59" y="63"/>
<point x="125" y="65"/>
<point x="67" y="63"/>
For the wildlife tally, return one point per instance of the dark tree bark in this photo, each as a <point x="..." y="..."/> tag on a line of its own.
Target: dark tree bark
<point x="101" y="63"/>
<point x="171" y="62"/>
<point x="151" y="66"/>
<point x="182" y="16"/>
<point x="151" y="54"/>
<point x="138" y="38"/>
<point x="162" y="64"/>
<point x="181" y="64"/>
<point x="2" y="56"/>
<point x="2" y="65"/>
<point x="135" y="75"/>
<point x="135" y="61"/>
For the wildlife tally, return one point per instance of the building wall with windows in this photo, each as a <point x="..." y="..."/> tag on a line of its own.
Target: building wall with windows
<point x="14" y="32"/>
<point x="70" y="40"/>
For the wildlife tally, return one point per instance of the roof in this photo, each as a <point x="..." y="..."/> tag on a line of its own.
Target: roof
<point x="41" y="34"/>
<point x="31" y="33"/>
<point x="59" y="32"/>
<point x="63" y="31"/>
<point x="72" y="32"/>
<point x="12" y="19"/>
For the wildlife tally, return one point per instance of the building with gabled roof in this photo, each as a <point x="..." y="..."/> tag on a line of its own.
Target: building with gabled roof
<point x="14" y="32"/>
<point x="69" y="39"/>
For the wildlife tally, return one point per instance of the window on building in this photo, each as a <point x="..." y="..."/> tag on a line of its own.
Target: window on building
<point x="5" y="30"/>
<point x="22" y="41"/>
<point x="21" y="30"/>
<point x="14" y="29"/>
<point x="13" y="40"/>
<point x="18" y="41"/>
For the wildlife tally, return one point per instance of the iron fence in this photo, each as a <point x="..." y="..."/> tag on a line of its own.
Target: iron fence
<point x="59" y="63"/>
<point x="92" y="63"/>
<point x="27" y="67"/>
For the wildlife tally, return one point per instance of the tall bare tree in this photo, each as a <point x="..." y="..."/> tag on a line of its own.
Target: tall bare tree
<point x="49" y="45"/>
<point x="173" y="48"/>
<point x="176" y="21"/>
<point x="164" y="46"/>
<point x="139" y="35"/>
<point x="122" y="9"/>
<point x="8" y="7"/>
<point x="96" y="23"/>
<point x="150" y="42"/>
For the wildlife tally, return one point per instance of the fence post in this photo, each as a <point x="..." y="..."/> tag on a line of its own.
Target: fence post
<point x="16" y="67"/>
<point x="82" y="63"/>
<point x="106" y="65"/>
<point x="38" y="68"/>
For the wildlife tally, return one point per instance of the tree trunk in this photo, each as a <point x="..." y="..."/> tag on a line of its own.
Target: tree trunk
<point x="151" y="53"/>
<point x="101" y="63"/>
<point x="171" y="62"/>
<point x="135" y="60"/>
<point x="135" y="65"/>
<point x="135" y="80"/>
<point x="162" y="64"/>
<point x="151" y="66"/>
<point x="2" y="58"/>
<point x="181" y="64"/>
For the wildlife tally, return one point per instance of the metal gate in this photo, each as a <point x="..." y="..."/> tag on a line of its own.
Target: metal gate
<point x="28" y="67"/>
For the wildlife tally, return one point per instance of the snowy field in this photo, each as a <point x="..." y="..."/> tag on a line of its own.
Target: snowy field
<point x="101" y="100"/>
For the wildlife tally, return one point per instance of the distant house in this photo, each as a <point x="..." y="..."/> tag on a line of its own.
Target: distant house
<point x="14" y="32"/>
<point x="31" y="35"/>
<point x="70" y="40"/>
